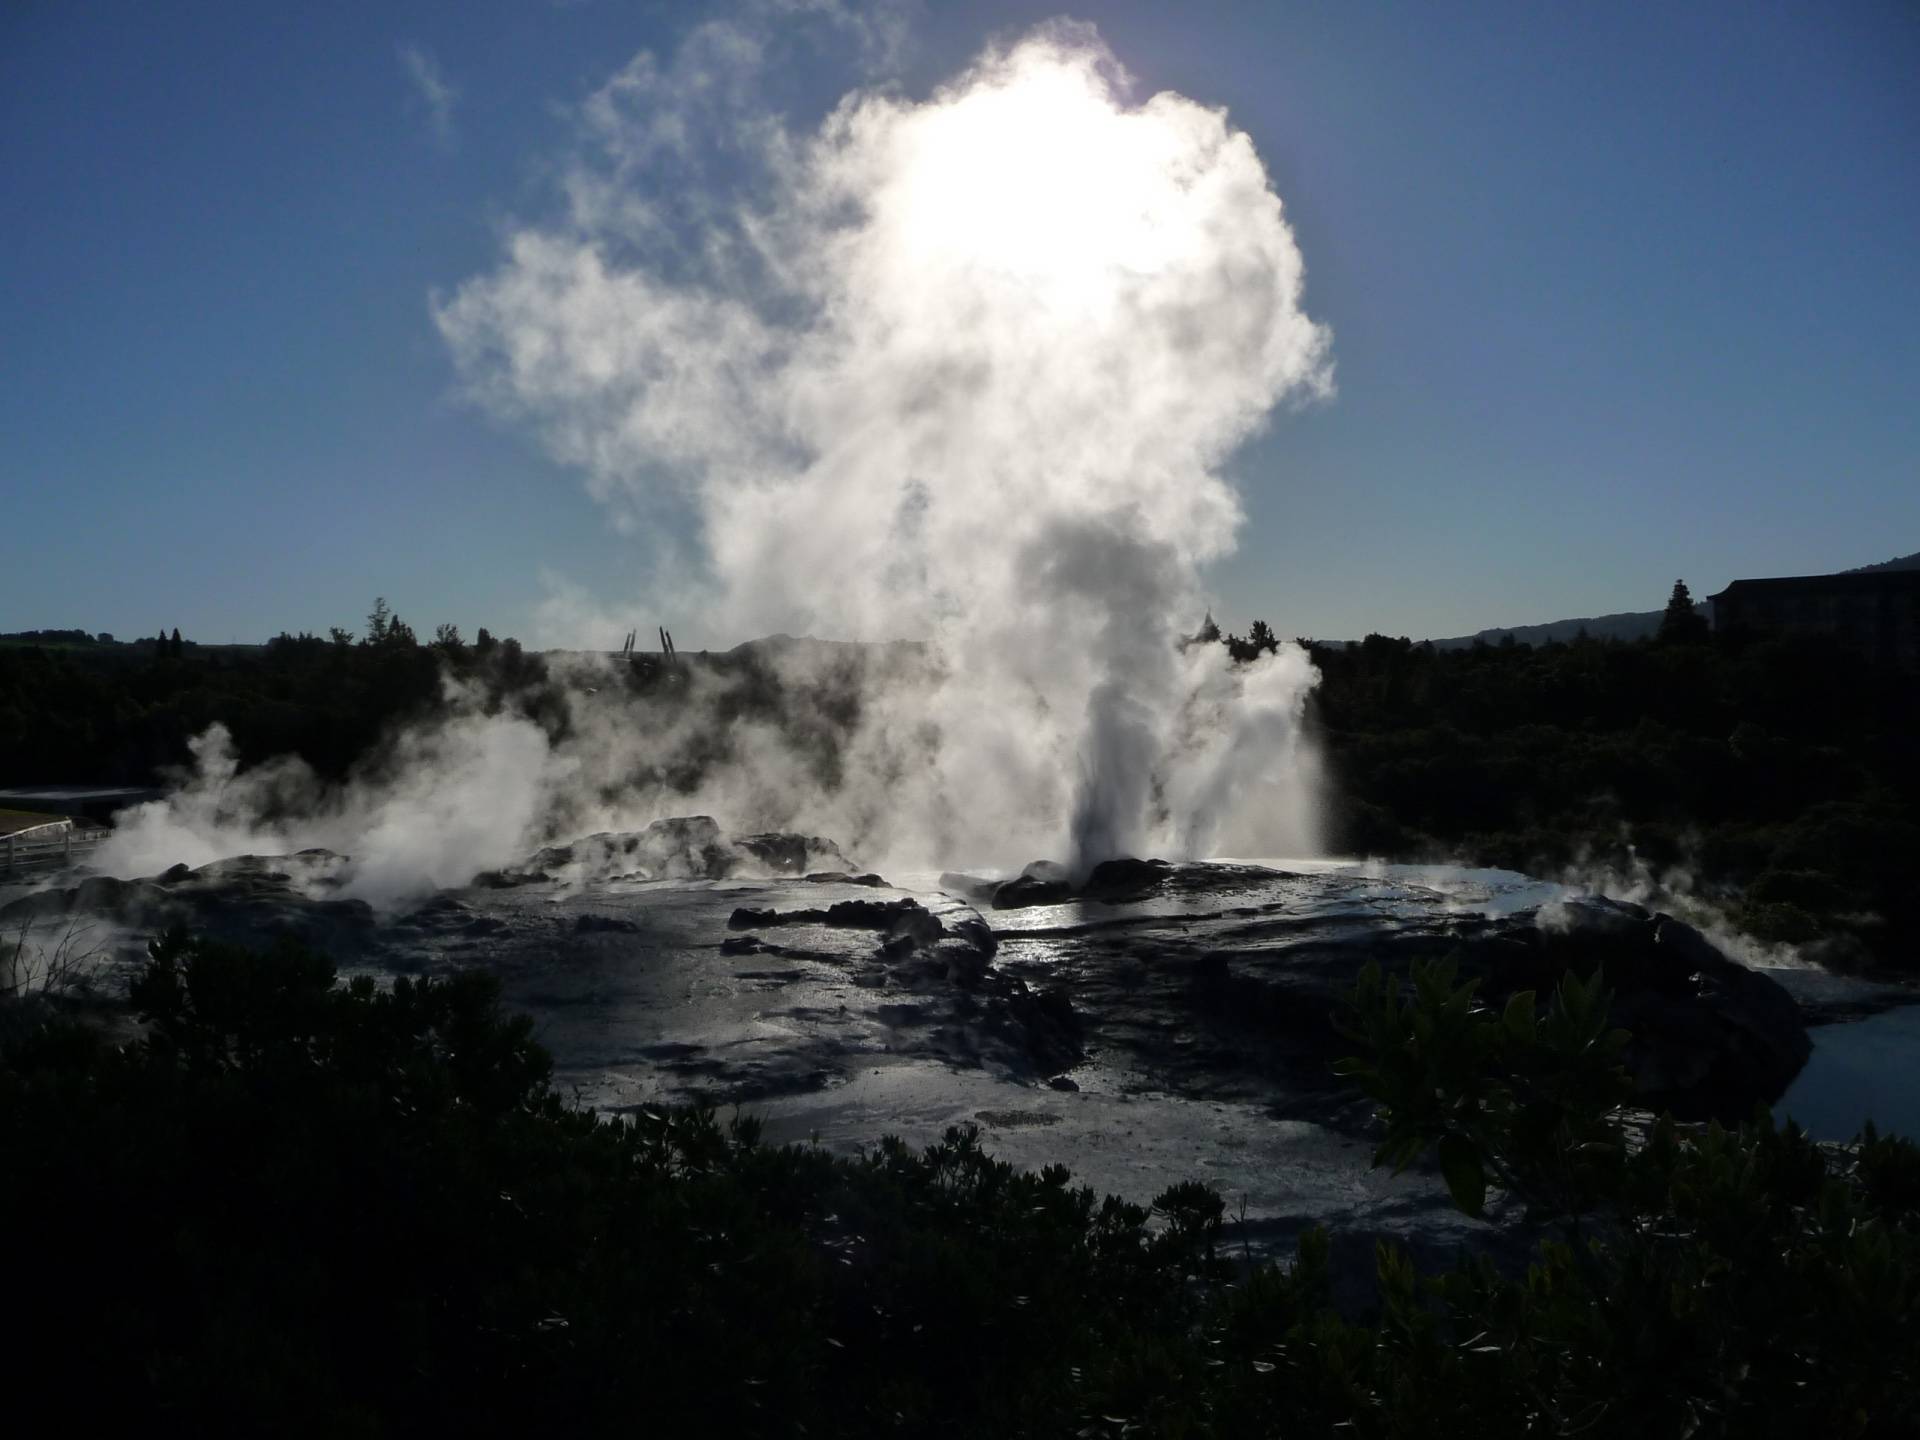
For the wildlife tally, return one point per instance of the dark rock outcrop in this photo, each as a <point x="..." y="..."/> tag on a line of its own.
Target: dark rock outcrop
<point x="1710" y="1037"/>
<point x="686" y="847"/>
<point x="1121" y="881"/>
<point x="124" y="901"/>
<point x="1041" y="883"/>
<point x="1238" y="999"/>
<point x="908" y="932"/>
<point x="509" y="879"/>
<point x="902" y="918"/>
<point x="783" y="854"/>
<point x="977" y="889"/>
<point x="245" y="898"/>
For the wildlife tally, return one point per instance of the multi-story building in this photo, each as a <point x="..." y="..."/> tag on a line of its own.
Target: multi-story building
<point x="1875" y="612"/>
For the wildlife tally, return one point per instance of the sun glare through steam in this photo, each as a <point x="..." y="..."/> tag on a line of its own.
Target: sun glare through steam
<point x="1041" y="178"/>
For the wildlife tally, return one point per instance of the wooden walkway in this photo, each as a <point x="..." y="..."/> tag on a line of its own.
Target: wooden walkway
<point x="31" y="841"/>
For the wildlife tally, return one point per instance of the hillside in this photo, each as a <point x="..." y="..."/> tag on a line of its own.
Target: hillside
<point x="1627" y="625"/>
<point x="1899" y="562"/>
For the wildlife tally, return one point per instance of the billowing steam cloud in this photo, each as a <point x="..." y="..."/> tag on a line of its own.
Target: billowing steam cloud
<point x="963" y="369"/>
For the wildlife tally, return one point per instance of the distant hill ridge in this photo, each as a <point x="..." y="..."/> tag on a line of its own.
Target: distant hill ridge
<point x="1899" y="562"/>
<point x="1628" y="625"/>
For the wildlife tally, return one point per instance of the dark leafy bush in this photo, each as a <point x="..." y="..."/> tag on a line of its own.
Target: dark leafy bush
<point x="296" y="1206"/>
<point x="1706" y="1282"/>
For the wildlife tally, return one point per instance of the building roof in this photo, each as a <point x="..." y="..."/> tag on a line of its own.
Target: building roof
<point x="1871" y="582"/>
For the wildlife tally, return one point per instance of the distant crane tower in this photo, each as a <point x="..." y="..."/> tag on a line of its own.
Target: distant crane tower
<point x="669" y="657"/>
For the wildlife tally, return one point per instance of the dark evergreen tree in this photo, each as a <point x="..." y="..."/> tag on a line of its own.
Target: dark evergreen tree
<point x="1682" y="625"/>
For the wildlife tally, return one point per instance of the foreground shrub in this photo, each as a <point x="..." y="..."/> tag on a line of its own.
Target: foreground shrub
<point x="296" y="1206"/>
<point x="340" y="1208"/>
<point x="1717" y="1282"/>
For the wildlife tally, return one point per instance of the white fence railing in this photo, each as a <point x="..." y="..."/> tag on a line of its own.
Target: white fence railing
<point x="57" y="842"/>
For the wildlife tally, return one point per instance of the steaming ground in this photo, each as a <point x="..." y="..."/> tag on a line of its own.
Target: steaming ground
<point x="1069" y="1033"/>
<point x="1165" y="1022"/>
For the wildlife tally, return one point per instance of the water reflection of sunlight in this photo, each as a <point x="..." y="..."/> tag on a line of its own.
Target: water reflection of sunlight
<point x="1460" y="887"/>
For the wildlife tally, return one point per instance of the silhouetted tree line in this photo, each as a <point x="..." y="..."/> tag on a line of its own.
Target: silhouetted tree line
<point x="1780" y="773"/>
<point x="111" y="714"/>
<point x="124" y="714"/>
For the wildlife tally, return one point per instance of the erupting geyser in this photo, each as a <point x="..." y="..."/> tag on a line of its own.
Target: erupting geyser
<point x="963" y="369"/>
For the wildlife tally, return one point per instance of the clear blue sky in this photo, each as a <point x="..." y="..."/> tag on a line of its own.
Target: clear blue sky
<point x="1619" y="293"/>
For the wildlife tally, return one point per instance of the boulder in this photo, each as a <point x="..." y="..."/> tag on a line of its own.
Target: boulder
<point x="1710" y="1037"/>
<point x="1030" y="889"/>
<point x="1125" y="880"/>
<point x="896" y="917"/>
<point x="508" y="879"/>
<point x="1120" y="881"/>
<point x="782" y="854"/>
<point x="977" y="888"/>
<point x="684" y="847"/>
<point x="903" y="917"/>
<point x="977" y="933"/>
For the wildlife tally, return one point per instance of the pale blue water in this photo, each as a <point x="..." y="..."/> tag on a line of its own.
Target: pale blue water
<point x="1860" y="1070"/>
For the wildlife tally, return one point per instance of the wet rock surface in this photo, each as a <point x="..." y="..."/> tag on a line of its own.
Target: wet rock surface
<point x="1160" y="1022"/>
<point x="1710" y="1038"/>
<point x="244" y="898"/>
<point x="1223" y="980"/>
<point x="689" y="847"/>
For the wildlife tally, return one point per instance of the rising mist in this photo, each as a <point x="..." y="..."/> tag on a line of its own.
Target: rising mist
<point x="964" y="370"/>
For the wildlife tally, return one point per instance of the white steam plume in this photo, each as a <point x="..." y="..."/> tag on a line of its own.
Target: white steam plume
<point x="964" y="369"/>
<point x="449" y="800"/>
